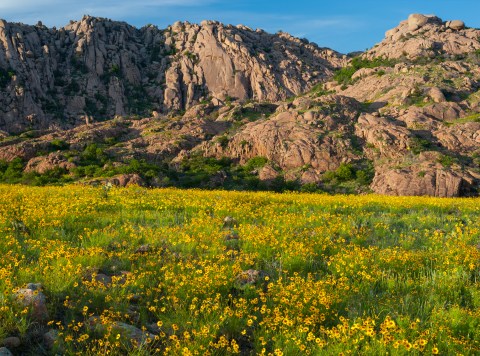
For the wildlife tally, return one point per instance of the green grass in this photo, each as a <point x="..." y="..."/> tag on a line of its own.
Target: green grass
<point x="359" y="274"/>
<point x="470" y="118"/>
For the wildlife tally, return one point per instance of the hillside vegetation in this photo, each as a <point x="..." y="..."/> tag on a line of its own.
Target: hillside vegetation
<point x="133" y="271"/>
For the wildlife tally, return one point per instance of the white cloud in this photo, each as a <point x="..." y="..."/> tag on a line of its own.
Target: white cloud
<point x="22" y="5"/>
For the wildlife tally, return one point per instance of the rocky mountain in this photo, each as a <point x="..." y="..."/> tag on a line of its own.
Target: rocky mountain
<point x="215" y="105"/>
<point x="54" y="78"/>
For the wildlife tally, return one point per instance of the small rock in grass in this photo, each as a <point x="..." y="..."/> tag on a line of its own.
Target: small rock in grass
<point x="154" y="328"/>
<point x="5" y="352"/>
<point x="135" y="299"/>
<point x="50" y="338"/>
<point x="250" y="277"/>
<point x="35" y="299"/>
<point x="144" y="249"/>
<point x="34" y="286"/>
<point x="229" y="222"/>
<point x="232" y="236"/>
<point x="103" y="279"/>
<point x="135" y="335"/>
<point x="11" y="342"/>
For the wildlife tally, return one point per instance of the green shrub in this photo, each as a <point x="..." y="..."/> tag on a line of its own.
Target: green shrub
<point x="345" y="172"/>
<point x="365" y="176"/>
<point x="344" y="75"/>
<point x="6" y="76"/>
<point x="223" y="141"/>
<point x="309" y="188"/>
<point x="255" y="163"/>
<point x="58" y="144"/>
<point x="349" y="178"/>
<point x="115" y="69"/>
<point x="11" y="172"/>
<point x="447" y="161"/>
<point x="319" y="90"/>
<point x="417" y="145"/>
<point x="93" y="154"/>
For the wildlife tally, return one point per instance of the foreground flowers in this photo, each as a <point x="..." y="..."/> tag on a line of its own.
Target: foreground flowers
<point x="159" y="272"/>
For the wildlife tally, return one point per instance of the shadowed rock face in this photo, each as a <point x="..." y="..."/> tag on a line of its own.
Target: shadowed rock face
<point x="218" y="91"/>
<point x="53" y="78"/>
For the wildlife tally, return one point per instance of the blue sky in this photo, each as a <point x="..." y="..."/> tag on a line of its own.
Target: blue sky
<point x="347" y="25"/>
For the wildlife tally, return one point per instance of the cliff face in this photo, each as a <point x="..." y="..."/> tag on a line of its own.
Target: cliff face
<point x="101" y="68"/>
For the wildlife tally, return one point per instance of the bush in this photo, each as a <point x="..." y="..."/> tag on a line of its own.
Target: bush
<point x="417" y="145"/>
<point x="255" y="163"/>
<point x="93" y="154"/>
<point x="58" y="144"/>
<point x="349" y="178"/>
<point x="309" y="188"/>
<point x="11" y="172"/>
<point x="344" y="75"/>
<point x="447" y="161"/>
<point x="5" y="77"/>
<point x="345" y="172"/>
<point x="223" y="141"/>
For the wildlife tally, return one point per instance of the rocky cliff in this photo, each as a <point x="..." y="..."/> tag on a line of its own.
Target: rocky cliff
<point x="98" y="68"/>
<point x="212" y="105"/>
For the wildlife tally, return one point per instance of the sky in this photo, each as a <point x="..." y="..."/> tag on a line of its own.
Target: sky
<point x="346" y="25"/>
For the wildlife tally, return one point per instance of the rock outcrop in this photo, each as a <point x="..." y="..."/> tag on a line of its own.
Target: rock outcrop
<point x="424" y="178"/>
<point x="96" y="68"/>
<point x="309" y="136"/>
<point x="427" y="36"/>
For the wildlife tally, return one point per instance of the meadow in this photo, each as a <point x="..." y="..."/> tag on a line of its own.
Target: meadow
<point x="189" y="272"/>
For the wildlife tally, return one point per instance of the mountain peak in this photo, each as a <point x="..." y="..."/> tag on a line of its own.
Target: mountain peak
<point x="426" y="36"/>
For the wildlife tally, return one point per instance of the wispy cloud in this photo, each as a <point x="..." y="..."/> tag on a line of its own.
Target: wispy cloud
<point x="21" y="5"/>
<point x="59" y="12"/>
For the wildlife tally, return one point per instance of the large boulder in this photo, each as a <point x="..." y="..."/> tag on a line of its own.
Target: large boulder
<point x="427" y="179"/>
<point x="126" y="180"/>
<point x="44" y="164"/>
<point x="385" y="136"/>
<point x="462" y="138"/>
<point x="437" y="95"/>
<point x="415" y="21"/>
<point x="456" y="25"/>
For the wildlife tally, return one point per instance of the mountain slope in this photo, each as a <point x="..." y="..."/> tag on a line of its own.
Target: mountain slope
<point x="402" y="118"/>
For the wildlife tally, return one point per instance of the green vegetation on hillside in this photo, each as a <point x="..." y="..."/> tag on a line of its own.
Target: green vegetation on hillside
<point x="344" y="75"/>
